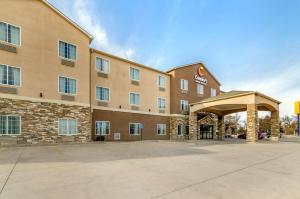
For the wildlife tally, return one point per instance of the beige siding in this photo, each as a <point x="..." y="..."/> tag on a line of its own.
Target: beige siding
<point x="119" y="82"/>
<point x="41" y="29"/>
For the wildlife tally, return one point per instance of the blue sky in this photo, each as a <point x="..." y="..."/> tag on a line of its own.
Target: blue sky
<point x="247" y="44"/>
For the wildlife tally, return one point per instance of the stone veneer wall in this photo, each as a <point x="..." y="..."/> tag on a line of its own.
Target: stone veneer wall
<point x="174" y="122"/>
<point x="39" y="121"/>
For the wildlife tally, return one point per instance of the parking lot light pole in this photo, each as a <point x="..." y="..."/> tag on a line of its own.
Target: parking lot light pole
<point x="298" y="125"/>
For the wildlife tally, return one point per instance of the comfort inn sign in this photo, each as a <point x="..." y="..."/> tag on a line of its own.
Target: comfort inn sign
<point x="199" y="78"/>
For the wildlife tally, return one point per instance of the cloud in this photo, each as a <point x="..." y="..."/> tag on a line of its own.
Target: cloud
<point x="281" y="84"/>
<point x="83" y="13"/>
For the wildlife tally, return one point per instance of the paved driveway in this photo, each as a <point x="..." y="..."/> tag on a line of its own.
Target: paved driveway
<point x="152" y="169"/>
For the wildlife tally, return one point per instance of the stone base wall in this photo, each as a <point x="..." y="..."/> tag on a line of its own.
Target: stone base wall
<point x="39" y="121"/>
<point x="174" y="122"/>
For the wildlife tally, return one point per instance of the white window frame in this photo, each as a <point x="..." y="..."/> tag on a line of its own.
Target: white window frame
<point x="7" y="34"/>
<point x="73" y="60"/>
<point x="158" y="105"/>
<point x="165" y="128"/>
<point x="139" y="99"/>
<point x="14" y="86"/>
<point x="213" y="91"/>
<point x="158" y="77"/>
<point x="140" y="129"/>
<point x="181" y="102"/>
<point x="182" y="84"/>
<point x="134" y="68"/>
<point x="200" y="93"/>
<point x="108" y="68"/>
<point x="108" y="94"/>
<point x="99" y="121"/>
<point x="70" y="94"/>
<point x="67" y="126"/>
<point x="7" y="125"/>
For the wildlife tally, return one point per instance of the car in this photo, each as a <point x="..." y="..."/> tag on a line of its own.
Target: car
<point x="242" y="136"/>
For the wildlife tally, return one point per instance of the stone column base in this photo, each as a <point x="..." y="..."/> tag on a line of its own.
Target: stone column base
<point x="274" y="139"/>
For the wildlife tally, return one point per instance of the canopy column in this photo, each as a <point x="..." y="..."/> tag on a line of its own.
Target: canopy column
<point x="193" y="126"/>
<point x="274" y="125"/>
<point x="252" y="123"/>
<point x="221" y="127"/>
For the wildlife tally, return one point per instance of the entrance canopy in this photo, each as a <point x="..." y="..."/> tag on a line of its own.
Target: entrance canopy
<point x="238" y="101"/>
<point x="235" y="101"/>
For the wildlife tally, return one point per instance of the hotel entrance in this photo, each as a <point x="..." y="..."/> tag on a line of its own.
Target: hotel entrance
<point x="205" y="132"/>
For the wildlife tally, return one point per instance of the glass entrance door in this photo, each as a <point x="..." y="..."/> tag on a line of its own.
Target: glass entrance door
<point x="206" y="132"/>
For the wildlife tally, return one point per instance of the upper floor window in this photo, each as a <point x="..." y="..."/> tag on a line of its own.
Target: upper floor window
<point x="184" y="84"/>
<point x="161" y="81"/>
<point x="134" y="74"/>
<point x="10" y="75"/>
<point x="135" y="128"/>
<point x="161" y="129"/>
<point x="200" y="89"/>
<point x="134" y="99"/>
<point x="67" y="51"/>
<point x="161" y="103"/>
<point x="10" y="34"/>
<point x="10" y="125"/>
<point x="213" y="92"/>
<point x="102" y="94"/>
<point x="102" y="65"/>
<point x="102" y="127"/>
<point x="67" y="126"/>
<point x="67" y="85"/>
<point x="184" y="105"/>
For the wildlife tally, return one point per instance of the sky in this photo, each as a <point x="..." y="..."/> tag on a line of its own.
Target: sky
<point x="246" y="44"/>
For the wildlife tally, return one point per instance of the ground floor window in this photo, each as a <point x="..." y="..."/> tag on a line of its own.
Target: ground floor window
<point x="67" y="126"/>
<point x="181" y="129"/>
<point x="102" y="127"/>
<point x="10" y="125"/>
<point x="135" y="128"/>
<point x="161" y="129"/>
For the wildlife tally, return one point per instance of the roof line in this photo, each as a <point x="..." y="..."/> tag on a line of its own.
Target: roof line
<point x="128" y="61"/>
<point x="197" y="62"/>
<point x="68" y="19"/>
<point x="237" y="95"/>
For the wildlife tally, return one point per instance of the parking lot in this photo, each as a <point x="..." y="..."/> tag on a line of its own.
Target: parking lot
<point x="152" y="169"/>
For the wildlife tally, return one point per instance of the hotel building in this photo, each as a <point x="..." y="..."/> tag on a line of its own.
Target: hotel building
<point x="54" y="87"/>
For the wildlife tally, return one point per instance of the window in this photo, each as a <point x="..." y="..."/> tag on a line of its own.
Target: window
<point x="10" y="125"/>
<point x="135" y="128"/>
<point x="10" y="75"/>
<point x="200" y="89"/>
<point x="161" y="129"/>
<point x="184" y="84"/>
<point x="134" y="99"/>
<point x="184" y="105"/>
<point x="67" y="51"/>
<point x="161" y="81"/>
<point x="67" y="86"/>
<point x="67" y="126"/>
<point x="102" y="94"/>
<point x="134" y="74"/>
<point x="10" y="34"/>
<point x="102" y="127"/>
<point x="181" y="129"/>
<point x="213" y="92"/>
<point x="102" y="65"/>
<point x="161" y="103"/>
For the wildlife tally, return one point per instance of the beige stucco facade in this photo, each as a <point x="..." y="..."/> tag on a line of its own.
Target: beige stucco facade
<point x="119" y="83"/>
<point x="38" y="57"/>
